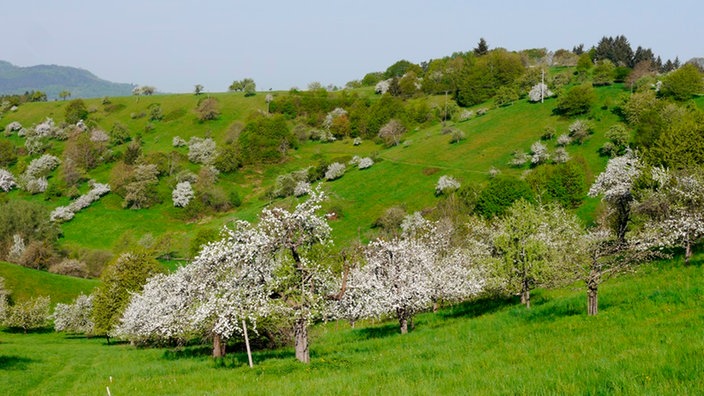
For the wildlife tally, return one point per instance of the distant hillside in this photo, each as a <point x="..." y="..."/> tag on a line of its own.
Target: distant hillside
<point x="52" y="79"/>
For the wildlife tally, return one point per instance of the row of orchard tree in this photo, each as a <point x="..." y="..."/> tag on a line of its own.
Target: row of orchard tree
<point x="281" y="267"/>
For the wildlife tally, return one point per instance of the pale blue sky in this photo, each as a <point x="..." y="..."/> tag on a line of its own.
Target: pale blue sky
<point x="175" y="44"/>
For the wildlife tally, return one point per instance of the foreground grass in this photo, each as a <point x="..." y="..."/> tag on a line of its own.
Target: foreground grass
<point x="647" y="339"/>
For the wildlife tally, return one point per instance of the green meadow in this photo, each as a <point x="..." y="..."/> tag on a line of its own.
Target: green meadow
<point x="646" y="340"/>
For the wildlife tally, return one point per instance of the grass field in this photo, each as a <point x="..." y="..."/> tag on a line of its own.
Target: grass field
<point x="646" y="340"/>
<point x="26" y="283"/>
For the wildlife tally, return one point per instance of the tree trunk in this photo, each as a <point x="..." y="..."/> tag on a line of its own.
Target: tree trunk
<point x="436" y="305"/>
<point x="246" y="342"/>
<point x="300" y="329"/>
<point x="525" y="294"/>
<point x="593" y="291"/>
<point x="218" y="346"/>
<point x="402" y="316"/>
<point x="687" y="252"/>
<point x="592" y="299"/>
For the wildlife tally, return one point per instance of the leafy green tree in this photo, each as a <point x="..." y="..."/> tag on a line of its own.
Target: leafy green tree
<point x="482" y="47"/>
<point x="683" y="83"/>
<point x="505" y="96"/>
<point x="479" y="79"/>
<point x="400" y="68"/>
<point x="198" y="89"/>
<point x="75" y="111"/>
<point x="534" y="247"/>
<point x="562" y="183"/>
<point x="124" y="275"/>
<point x="578" y="100"/>
<point x="8" y="153"/>
<point x="679" y="145"/>
<point x="604" y="73"/>
<point x="265" y="140"/>
<point x="64" y="94"/>
<point x="500" y="194"/>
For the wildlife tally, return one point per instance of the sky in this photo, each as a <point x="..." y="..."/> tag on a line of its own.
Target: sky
<point x="175" y="44"/>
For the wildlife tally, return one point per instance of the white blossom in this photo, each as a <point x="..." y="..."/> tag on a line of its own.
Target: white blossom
<point x="561" y="155"/>
<point x="616" y="181"/>
<point x="302" y="188"/>
<point x="42" y="166"/>
<point x="7" y="180"/>
<point x="99" y="136"/>
<point x="563" y="140"/>
<point x="539" y="92"/>
<point x="382" y="87"/>
<point x="34" y="185"/>
<point x="76" y="317"/>
<point x="66" y="213"/>
<point x="201" y="151"/>
<point x="177" y="141"/>
<point x="335" y="171"/>
<point x="446" y="184"/>
<point x="539" y="153"/>
<point x="17" y="248"/>
<point x="182" y="194"/>
<point x="14" y="126"/>
<point x="365" y="163"/>
<point x="406" y="275"/>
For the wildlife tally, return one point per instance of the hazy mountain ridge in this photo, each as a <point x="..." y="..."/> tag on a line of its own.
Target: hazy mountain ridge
<point x="52" y="79"/>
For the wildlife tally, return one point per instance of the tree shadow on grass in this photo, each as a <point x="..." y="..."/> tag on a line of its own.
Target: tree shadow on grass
<point x="380" y="331"/>
<point x="479" y="307"/>
<point x="14" y="362"/>
<point x="19" y="330"/>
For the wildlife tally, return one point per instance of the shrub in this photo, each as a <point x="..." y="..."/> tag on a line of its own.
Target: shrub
<point x="561" y="155"/>
<point x="30" y="314"/>
<point x="42" y="166"/>
<point x="14" y="126"/>
<point x="335" y="171"/>
<point x="208" y="109"/>
<point x="563" y="140"/>
<point x="177" y="141"/>
<point x="365" y="163"/>
<point x="7" y="180"/>
<point x="538" y="92"/>
<point x="302" y="188"/>
<point x="201" y="151"/>
<point x="446" y="184"/>
<point x="500" y="194"/>
<point x="76" y="317"/>
<point x="578" y="100"/>
<point x="391" y="132"/>
<point x="519" y="158"/>
<point x="75" y="111"/>
<point x="539" y="153"/>
<point x="38" y="255"/>
<point x="182" y="194"/>
<point x="70" y="267"/>
<point x="548" y="133"/>
<point x="580" y="131"/>
<point x="457" y="136"/>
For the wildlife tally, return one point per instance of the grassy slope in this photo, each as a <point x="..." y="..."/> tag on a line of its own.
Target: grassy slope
<point x="400" y="179"/>
<point x="646" y="340"/>
<point x="25" y="283"/>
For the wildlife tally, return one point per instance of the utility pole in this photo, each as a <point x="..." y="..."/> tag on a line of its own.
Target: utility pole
<point x="542" y="85"/>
